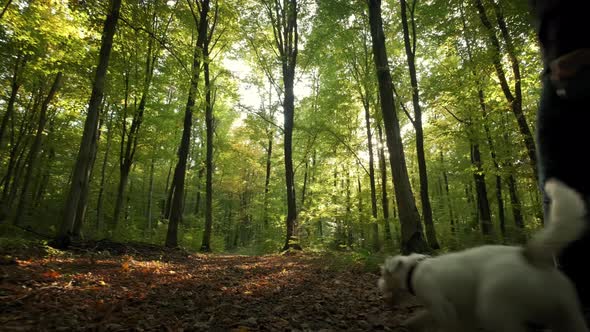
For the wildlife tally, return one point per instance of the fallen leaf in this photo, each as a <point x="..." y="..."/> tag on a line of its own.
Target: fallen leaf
<point x="51" y="274"/>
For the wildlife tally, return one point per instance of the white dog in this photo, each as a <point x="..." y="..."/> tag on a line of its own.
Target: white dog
<point x="498" y="288"/>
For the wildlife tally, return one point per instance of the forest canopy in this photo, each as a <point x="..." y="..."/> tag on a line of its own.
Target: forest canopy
<point x="261" y="125"/>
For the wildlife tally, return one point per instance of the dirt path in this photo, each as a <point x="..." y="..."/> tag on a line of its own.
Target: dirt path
<point x="181" y="292"/>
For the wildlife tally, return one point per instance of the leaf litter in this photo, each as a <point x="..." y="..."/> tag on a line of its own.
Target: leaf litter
<point x="120" y="287"/>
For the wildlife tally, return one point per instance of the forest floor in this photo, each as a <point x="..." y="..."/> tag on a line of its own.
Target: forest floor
<point x="106" y="286"/>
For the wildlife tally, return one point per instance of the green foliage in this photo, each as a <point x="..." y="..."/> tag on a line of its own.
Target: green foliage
<point x="335" y="75"/>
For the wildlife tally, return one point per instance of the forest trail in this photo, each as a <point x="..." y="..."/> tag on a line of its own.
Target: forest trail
<point x="144" y="288"/>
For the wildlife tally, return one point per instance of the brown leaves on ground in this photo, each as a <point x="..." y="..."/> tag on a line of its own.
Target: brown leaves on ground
<point x="187" y="292"/>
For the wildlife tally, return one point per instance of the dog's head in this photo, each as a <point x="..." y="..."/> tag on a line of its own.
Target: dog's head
<point x="394" y="274"/>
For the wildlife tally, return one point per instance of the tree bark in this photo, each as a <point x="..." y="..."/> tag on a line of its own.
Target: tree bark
<point x="384" y="198"/>
<point x="82" y="167"/>
<point x="267" y="176"/>
<point x="18" y="146"/>
<point x="283" y="16"/>
<point x="411" y="227"/>
<point x="150" y="199"/>
<point x="349" y="228"/>
<point x="83" y="202"/>
<point x="177" y="198"/>
<point x="483" y="205"/>
<point x="209" y="123"/>
<point x="129" y="139"/>
<point x="360" y="211"/>
<point x="515" y="202"/>
<point x="448" y="194"/>
<point x="374" y="223"/>
<point x="34" y="150"/>
<point x="410" y="47"/>
<point x="46" y="168"/>
<point x="14" y="87"/>
<point x="100" y="201"/>
<point x="198" y="194"/>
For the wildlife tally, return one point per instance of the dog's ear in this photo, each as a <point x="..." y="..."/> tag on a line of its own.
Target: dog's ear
<point x="392" y="265"/>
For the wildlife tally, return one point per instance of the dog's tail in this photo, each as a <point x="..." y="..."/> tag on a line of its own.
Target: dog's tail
<point x="566" y="223"/>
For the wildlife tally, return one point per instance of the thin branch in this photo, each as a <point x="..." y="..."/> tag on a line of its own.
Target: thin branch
<point x="195" y="18"/>
<point x="413" y="22"/>
<point x="404" y="108"/>
<point x="341" y="140"/>
<point x="5" y="8"/>
<point x="249" y="110"/>
<point x="161" y="42"/>
<point x="266" y="70"/>
<point x="455" y="116"/>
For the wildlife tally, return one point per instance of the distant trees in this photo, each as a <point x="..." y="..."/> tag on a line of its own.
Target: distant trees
<point x="159" y="121"/>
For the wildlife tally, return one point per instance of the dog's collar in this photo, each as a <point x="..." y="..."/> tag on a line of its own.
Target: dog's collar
<point x="410" y="274"/>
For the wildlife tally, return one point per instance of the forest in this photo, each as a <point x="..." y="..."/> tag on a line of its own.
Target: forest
<point x="256" y="127"/>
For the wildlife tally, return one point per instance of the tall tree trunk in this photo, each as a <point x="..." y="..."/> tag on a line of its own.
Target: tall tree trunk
<point x="129" y="139"/>
<point x="483" y="205"/>
<point x="46" y="169"/>
<point x="483" y="108"/>
<point x="267" y="176"/>
<point x="85" y="192"/>
<point x="514" y="100"/>
<point x="349" y="228"/>
<point x="82" y="167"/>
<point x="305" y="176"/>
<point x="14" y="87"/>
<point x="150" y="199"/>
<point x="166" y="201"/>
<point x="124" y="170"/>
<point x="449" y="202"/>
<point x="410" y="47"/>
<point x="411" y="227"/>
<point x="283" y="16"/>
<point x="34" y="150"/>
<point x="361" y="73"/>
<point x="209" y="123"/>
<point x="384" y="198"/>
<point x="499" y="196"/>
<point x="289" y="116"/>
<point x="360" y="211"/>
<point x="374" y="223"/>
<point x="176" y="208"/>
<point x="515" y="202"/>
<point x="198" y="195"/>
<point x="100" y="201"/>
<point x="18" y="146"/>
<point x="512" y="187"/>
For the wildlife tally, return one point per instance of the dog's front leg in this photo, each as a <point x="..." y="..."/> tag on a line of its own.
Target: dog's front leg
<point x="422" y="321"/>
<point x="444" y="314"/>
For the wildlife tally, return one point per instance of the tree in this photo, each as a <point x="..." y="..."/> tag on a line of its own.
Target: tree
<point x="177" y="188"/>
<point x="34" y="150"/>
<point x="361" y="72"/>
<point x="155" y="28"/>
<point x="83" y="165"/>
<point x="513" y="99"/>
<point x="410" y="47"/>
<point x="412" y="237"/>
<point x="209" y="124"/>
<point x="283" y="17"/>
<point x="383" y="170"/>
